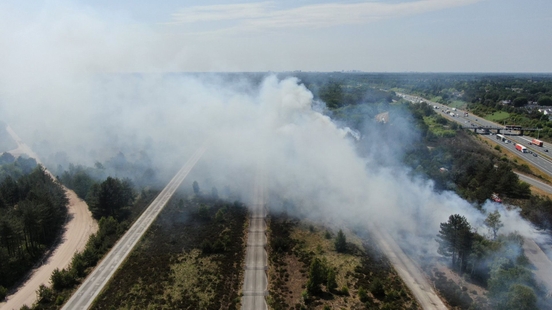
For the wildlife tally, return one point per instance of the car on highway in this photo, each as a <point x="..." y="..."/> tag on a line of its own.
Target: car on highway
<point x="535" y="154"/>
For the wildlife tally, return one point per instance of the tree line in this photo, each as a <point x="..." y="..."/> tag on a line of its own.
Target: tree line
<point x="461" y="164"/>
<point x="495" y="261"/>
<point x="32" y="213"/>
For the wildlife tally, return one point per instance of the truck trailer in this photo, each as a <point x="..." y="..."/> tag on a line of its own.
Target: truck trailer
<point x="537" y="142"/>
<point x="521" y="148"/>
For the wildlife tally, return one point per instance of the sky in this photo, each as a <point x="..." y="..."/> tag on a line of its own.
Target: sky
<point x="307" y="35"/>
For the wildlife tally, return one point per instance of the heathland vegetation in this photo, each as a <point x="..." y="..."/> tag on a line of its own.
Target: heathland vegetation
<point x="191" y="258"/>
<point x="313" y="267"/>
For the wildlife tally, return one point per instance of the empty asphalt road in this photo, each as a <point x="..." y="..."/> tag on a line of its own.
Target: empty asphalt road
<point x="408" y="270"/>
<point x="255" y="282"/>
<point x="93" y="285"/>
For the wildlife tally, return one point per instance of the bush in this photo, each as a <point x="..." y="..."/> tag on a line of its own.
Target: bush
<point x="345" y="291"/>
<point x="3" y="292"/>
<point x="45" y="294"/>
<point x="62" y="279"/>
<point x="203" y="212"/>
<point x="362" y="295"/>
<point x="206" y="247"/>
<point x="331" y="283"/>
<point x="219" y="217"/>
<point x="280" y="244"/>
<point x="377" y="289"/>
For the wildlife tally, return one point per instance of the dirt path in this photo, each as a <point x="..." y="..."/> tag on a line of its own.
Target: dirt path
<point x="80" y="225"/>
<point x="78" y="228"/>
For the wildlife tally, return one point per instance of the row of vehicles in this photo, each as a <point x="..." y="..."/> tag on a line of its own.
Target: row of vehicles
<point x="520" y="147"/>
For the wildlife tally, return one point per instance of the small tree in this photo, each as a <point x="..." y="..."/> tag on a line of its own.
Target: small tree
<point x="455" y="240"/>
<point x="316" y="277"/>
<point x="331" y="283"/>
<point x="219" y="216"/>
<point x="521" y="297"/>
<point x="195" y="186"/>
<point x="545" y="100"/>
<point x="377" y="289"/>
<point x="362" y="294"/>
<point x="340" y="242"/>
<point x="3" y="292"/>
<point x="493" y="223"/>
<point x="214" y="193"/>
<point x="203" y="212"/>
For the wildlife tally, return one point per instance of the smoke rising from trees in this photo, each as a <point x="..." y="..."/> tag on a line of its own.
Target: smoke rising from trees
<point x="58" y="90"/>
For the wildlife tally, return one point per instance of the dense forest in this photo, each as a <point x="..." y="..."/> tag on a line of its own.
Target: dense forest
<point x="115" y="202"/>
<point x="32" y="212"/>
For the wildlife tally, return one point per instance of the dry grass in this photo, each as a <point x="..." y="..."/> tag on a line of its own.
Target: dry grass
<point x="324" y="249"/>
<point x="195" y="276"/>
<point x="358" y="267"/>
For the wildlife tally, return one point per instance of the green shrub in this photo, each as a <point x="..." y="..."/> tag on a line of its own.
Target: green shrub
<point x="45" y="294"/>
<point x="362" y="295"/>
<point x="377" y="289"/>
<point x="3" y="292"/>
<point x="62" y="279"/>
<point x="203" y="212"/>
<point x="331" y="283"/>
<point x="345" y="291"/>
<point x="219" y="217"/>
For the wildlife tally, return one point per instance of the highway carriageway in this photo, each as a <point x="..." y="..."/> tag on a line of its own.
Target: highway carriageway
<point x="95" y="282"/>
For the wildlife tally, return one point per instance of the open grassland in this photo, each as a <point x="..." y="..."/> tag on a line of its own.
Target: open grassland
<point x="364" y="279"/>
<point x="459" y="104"/>
<point x="497" y="116"/>
<point x="438" y="129"/>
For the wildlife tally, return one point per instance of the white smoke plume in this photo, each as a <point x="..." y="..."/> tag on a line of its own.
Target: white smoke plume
<point x="58" y="90"/>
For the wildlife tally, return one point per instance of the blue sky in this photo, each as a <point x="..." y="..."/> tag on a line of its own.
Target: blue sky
<point x="377" y="35"/>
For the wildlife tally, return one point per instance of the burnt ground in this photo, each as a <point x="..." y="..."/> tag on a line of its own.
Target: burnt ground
<point x="292" y="247"/>
<point x="190" y="258"/>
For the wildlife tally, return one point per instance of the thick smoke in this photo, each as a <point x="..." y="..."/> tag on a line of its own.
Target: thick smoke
<point x="59" y="92"/>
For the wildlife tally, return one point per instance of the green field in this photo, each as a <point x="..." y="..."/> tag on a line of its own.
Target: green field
<point x="459" y="104"/>
<point x="438" y="129"/>
<point x="497" y="116"/>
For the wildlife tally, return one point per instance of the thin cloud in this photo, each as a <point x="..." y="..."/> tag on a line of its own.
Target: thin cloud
<point x="251" y="16"/>
<point x="222" y="12"/>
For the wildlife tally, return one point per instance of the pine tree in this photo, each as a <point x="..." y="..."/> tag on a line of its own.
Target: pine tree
<point x="340" y="242"/>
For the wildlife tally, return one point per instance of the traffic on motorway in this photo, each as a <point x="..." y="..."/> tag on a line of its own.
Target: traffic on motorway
<point x="539" y="156"/>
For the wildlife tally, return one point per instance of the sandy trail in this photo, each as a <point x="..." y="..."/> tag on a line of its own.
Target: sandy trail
<point x="78" y="228"/>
